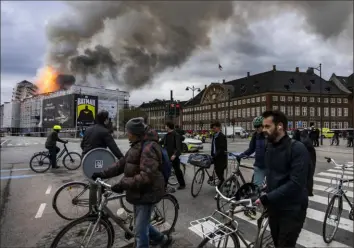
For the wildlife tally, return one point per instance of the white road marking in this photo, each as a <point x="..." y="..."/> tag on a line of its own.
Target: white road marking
<point x="339" y="172"/>
<point x="4" y="142"/>
<point x="324" y="201"/>
<point x="332" y="175"/>
<point x="40" y="210"/>
<point x="326" y="189"/>
<point x="48" y="190"/>
<point x="9" y="144"/>
<point x="347" y="169"/>
<point x="35" y="143"/>
<point x="344" y="223"/>
<point x="326" y="180"/>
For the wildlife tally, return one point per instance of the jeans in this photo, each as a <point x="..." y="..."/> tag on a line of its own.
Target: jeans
<point x="143" y="229"/>
<point x="259" y="174"/>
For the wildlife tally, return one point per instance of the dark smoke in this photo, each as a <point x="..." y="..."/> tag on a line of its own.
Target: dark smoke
<point x="135" y="40"/>
<point x="65" y="81"/>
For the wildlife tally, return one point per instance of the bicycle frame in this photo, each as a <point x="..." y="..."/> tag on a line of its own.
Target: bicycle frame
<point x="340" y="192"/>
<point x="62" y="152"/>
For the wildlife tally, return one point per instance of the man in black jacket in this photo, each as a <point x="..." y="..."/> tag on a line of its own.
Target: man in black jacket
<point x="173" y="145"/>
<point x="51" y="145"/>
<point x="286" y="198"/>
<point x="98" y="136"/>
<point x="218" y="151"/>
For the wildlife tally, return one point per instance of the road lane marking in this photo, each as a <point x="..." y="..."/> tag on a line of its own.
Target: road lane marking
<point x="330" y="189"/>
<point x="324" y="201"/>
<point x="326" y="180"/>
<point x="16" y="177"/>
<point x="333" y="175"/>
<point x="344" y="223"/>
<point x="40" y="210"/>
<point x="2" y="143"/>
<point x="20" y="169"/>
<point x="340" y="172"/>
<point x="48" y="190"/>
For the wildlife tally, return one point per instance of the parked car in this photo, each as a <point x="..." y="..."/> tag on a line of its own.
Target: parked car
<point x="188" y="144"/>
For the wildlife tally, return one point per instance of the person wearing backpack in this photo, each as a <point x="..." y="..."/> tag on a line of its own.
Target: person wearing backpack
<point x="286" y="198"/>
<point x="143" y="180"/>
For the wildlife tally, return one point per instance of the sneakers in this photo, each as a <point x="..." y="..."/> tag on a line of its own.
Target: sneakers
<point x="181" y="187"/>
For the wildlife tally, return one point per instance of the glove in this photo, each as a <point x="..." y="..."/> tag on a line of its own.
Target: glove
<point x="96" y="175"/>
<point x="117" y="188"/>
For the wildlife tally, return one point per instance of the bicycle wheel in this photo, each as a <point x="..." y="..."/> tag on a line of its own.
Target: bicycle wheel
<point x="40" y="163"/>
<point x="264" y="238"/>
<point x="77" y="206"/>
<point x="165" y="214"/>
<point x="72" y="160"/>
<point x="229" y="241"/>
<point x="172" y="180"/>
<point x="228" y="189"/>
<point x="200" y="172"/>
<point x="90" y="227"/>
<point x="334" y="217"/>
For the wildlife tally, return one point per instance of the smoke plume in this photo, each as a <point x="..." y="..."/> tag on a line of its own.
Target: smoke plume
<point x="135" y="40"/>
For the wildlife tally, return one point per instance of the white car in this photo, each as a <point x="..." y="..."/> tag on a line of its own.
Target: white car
<point x="188" y="144"/>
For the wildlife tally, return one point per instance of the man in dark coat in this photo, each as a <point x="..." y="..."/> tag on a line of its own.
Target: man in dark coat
<point x="218" y="151"/>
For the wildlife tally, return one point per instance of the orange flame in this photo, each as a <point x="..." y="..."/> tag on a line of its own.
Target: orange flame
<point x="46" y="81"/>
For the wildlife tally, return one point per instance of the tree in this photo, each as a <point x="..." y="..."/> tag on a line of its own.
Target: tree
<point x="126" y="114"/>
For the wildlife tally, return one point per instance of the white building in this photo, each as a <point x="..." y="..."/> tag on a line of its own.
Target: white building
<point x="23" y="90"/>
<point x="30" y="113"/>
<point x="11" y="115"/>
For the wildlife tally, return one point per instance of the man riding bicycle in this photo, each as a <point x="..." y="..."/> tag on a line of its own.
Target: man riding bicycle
<point x="51" y="145"/>
<point x="258" y="145"/>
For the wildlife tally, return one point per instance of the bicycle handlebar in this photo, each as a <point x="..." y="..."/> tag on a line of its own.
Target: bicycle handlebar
<point x="240" y="202"/>
<point x="236" y="156"/>
<point x="331" y="160"/>
<point x="99" y="181"/>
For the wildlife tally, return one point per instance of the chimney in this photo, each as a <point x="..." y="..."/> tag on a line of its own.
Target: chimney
<point x="248" y="74"/>
<point x="274" y="67"/>
<point x="297" y="69"/>
<point x="205" y="86"/>
<point x="223" y="81"/>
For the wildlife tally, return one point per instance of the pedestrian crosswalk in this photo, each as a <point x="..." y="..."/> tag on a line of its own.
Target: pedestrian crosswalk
<point x="311" y="234"/>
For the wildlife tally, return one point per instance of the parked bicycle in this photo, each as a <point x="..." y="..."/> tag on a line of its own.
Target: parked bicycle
<point x="222" y="230"/>
<point x="234" y="182"/>
<point x="99" y="222"/>
<point x="40" y="162"/>
<point x="336" y="193"/>
<point x="199" y="177"/>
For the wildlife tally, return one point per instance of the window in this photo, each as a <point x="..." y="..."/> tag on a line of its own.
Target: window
<point x="318" y="99"/>
<point x="239" y="113"/>
<point x="258" y="99"/>
<point x="263" y="98"/>
<point x="275" y="98"/>
<point x="253" y="111"/>
<point x="325" y="100"/>
<point x="297" y="111"/>
<point x="239" y="102"/>
<point x="248" y="112"/>
<point x="345" y="125"/>
<point x="275" y="107"/>
<point x="326" y="124"/>
<point x="227" y="104"/>
<point x="333" y="111"/>
<point x="339" y="125"/>
<point x="244" y="101"/>
<point x="304" y="124"/>
<point x="235" y="113"/>
<point x="290" y="110"/>
<point x="253" y="100"/>
<point x="282" y="109"/>
<point x="282" y="98"/>
<point x="248" y="126"/>
<point x="312" y="111"/>
<point x="235" y="103"/>
<point x="290" y="98"/>
<point x="258" y="111"/>
<point x="243" y="113"/>
<point x="318" y="111"/>
<point x="333" y="100"/>
<point x="248" y="100"/>
<point x="312" y="99"/>
<point x="297" y="99"/>
<point x="222" y="105"/>
<point x="345" y="112"/>
<point x="264" y="109"/>
<point x="326" y="112"/>
<point x="333" y="124"/>
<point x="339" y="111"/>
<point x="339" y="100"/>
<point x="290" y="124"/>
<point x="304" y="99"/>
<point x="345" y="100"/>
<point x="304" y="111"/>
<point x="231" y="104"/>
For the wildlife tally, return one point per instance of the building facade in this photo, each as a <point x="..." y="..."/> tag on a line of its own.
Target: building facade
<point x="304" y="97"/>
<point x="10" y="116"/>
<point x="156" y="112"/>
<point x="23" y="89"/>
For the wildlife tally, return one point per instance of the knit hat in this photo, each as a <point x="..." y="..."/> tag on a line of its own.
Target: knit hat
<point x="136" y="126"/>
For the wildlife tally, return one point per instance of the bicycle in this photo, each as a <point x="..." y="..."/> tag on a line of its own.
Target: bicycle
<point x="100" y="221"/>
<point x="338" y="193"/>
<point x="212" y="181"/>
<point x="232" y="183"/>
<point x="43" y="159"/>
<point x="225" y="232"/>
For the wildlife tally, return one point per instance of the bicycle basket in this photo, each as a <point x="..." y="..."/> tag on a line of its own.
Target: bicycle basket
<point x="213" y="227"/>
<point x="200" y="160"/>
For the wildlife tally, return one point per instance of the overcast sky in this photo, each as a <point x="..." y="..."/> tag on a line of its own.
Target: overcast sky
<point x="282" y="39"/>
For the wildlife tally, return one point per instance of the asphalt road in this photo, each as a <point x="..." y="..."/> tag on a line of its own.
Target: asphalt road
<point x="28" y="220"/>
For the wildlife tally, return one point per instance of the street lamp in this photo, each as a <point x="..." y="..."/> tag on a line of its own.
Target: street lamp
<point x="310" y="71"/>
<point x="193" y="89"/>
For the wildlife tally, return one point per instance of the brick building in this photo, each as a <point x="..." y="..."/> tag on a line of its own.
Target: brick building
<point x="303" y="96"/>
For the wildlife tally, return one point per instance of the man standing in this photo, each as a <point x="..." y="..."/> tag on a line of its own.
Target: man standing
<point x="51" y="145"/>
<point x="143" y="181"/>
<point x="287" y="164"/>
<point x="218" y="151"/>
<point x="173" y="145"/>
<point x="98" y="136"/>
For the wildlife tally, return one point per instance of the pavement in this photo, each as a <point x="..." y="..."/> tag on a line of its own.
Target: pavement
<point x="28" y="219"/>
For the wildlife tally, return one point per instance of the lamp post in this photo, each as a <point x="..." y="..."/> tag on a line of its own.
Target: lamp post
<point x="193" y="89"/>
<point x="319" y="68"/>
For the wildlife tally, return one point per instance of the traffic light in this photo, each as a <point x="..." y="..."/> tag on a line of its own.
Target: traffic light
<point x="178" y="107"/>
<point x="173" y="109"/>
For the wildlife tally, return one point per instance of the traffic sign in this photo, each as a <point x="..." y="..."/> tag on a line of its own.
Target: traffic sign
<point x="97" y="160"/>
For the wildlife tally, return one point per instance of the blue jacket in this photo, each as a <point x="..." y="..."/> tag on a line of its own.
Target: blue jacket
<point x="258" y="145"/>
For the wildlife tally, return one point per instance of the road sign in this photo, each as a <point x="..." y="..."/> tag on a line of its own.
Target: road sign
<point x="97" y="160"/>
